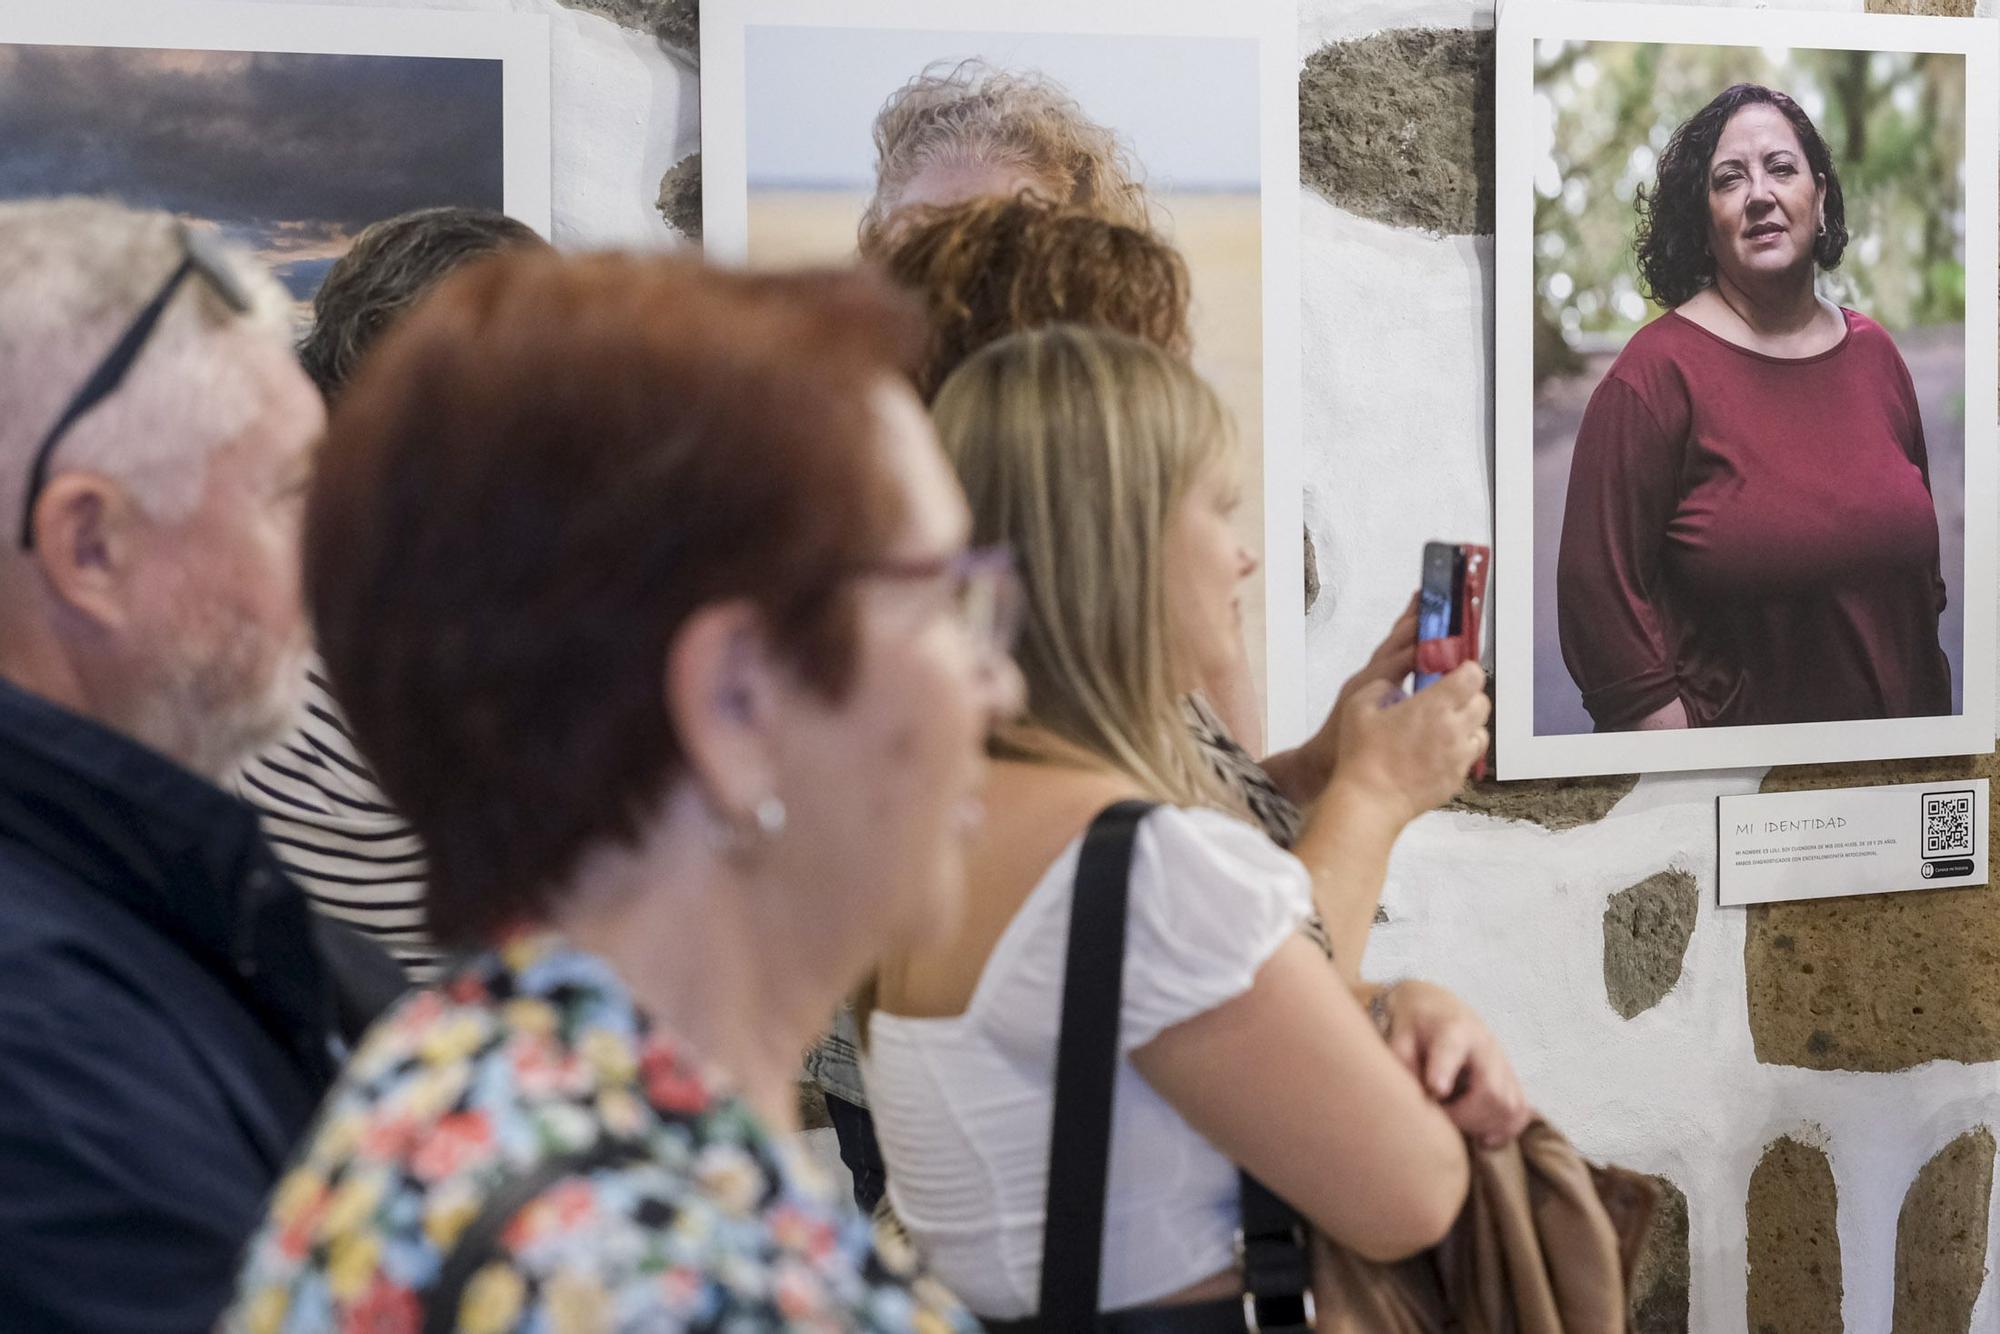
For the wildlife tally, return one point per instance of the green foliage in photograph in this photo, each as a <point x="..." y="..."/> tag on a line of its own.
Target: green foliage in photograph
<point x="1894" y="121"/>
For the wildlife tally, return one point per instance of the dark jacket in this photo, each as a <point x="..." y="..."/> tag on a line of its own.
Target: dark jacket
<point x="166" y="1029"/>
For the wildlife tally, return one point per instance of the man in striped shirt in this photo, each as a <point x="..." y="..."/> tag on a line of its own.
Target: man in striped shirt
<point x="337" y="835"/>
<point x="322" y="812"/>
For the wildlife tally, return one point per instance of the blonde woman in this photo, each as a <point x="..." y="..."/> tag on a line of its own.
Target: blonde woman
<point x="1109" y="466"/>
<point x="969" y="131"/>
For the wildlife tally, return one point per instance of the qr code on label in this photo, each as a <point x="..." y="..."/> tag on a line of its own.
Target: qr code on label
<point x="1947" y="824"/>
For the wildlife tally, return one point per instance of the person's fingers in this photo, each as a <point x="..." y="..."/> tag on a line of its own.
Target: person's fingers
<point x="1400" y="641"/>
<point x="1401" y="634"/>
<point x="1464" y="681"/>
<point x="1393" y="661"/>
<point x="1511" y="1117"/>
<point x="1452" y="694"/>
<point x="1449" y="1049"/>
<point x="1390" y="662"/>
<point x="1403" y="1045"/>
<point x="1483" y="1109"/>
<point x="1501" y="1111"/>
<point x="1455" y="712"/>
<point x="1478" y="1114"/>
<point x="1402" y="630"/>
<point x="1518" y="1111"/>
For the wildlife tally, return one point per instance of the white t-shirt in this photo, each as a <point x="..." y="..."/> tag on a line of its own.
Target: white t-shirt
<point x="962" y="1104"/>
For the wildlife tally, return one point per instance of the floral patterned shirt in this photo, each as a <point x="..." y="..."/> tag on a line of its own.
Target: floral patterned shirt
<point x="534" y="1051"/>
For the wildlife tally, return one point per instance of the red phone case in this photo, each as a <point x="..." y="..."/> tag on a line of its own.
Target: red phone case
<point x="1441" y="655"/>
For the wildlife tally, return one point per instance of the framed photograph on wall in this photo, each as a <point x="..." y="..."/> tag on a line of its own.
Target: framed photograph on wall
<point x="287" y="127"/>
<point x="1200" y="104"/>
<point x="1746" y="387"/>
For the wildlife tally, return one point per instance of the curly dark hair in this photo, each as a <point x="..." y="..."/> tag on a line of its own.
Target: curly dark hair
<point x="390" y="265"/>
<point x="991" y="267"/>
<point x="1672" y="245"/>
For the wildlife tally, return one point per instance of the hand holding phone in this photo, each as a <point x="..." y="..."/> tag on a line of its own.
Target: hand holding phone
<point x="1451" y="610"/>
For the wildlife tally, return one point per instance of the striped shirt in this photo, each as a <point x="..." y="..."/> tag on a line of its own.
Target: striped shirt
<point x="334" y="831"/>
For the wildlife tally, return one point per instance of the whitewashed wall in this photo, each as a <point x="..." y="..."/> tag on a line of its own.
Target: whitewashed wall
<point x="1398" y="336"/>
<point x="1398" y="425"/>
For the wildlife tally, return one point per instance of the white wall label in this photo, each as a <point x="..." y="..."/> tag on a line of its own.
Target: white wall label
<point x="1859" y="840"/>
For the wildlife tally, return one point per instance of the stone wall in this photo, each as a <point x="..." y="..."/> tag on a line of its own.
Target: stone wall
<point x="1814" y="1082"/>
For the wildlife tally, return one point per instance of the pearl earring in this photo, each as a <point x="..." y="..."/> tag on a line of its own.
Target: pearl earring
<point x="739" y="838"/>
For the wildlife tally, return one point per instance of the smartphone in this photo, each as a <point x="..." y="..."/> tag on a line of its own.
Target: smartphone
<point x="1451" y="606"/>
<point x="1451" y="611"/>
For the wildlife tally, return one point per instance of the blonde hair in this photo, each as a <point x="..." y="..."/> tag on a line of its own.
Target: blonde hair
<point x="972" y="112"/>
<point x="1076" y="446"/>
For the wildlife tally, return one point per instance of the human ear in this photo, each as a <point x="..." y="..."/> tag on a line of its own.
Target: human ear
<point x="724" y="697"/>
<point x="86" y="538"/>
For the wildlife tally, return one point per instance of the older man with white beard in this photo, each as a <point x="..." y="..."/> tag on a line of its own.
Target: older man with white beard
<point x="166" y="1019"/>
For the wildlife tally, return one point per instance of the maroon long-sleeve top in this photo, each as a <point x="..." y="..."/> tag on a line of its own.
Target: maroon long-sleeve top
<point x="1752" y="535"/>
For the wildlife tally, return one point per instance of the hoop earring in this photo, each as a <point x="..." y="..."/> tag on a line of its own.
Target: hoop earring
<point x="1822" y="227"/>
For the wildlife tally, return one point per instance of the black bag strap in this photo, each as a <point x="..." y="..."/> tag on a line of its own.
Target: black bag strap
<point x="479" y="1243"/>
<point x="1277" y="1272"/>
<point x="1277" y="1264"/>
<point x="1086" y="1071"/>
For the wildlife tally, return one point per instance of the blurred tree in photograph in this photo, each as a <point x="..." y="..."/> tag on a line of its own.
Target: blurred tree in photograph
<point x="1893" y="120"/>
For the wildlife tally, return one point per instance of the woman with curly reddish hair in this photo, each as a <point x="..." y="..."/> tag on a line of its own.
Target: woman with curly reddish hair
<point x="989" y="268"/>
<point x="998" y="265"/>
<point x="646" y="589"/>
<point x="1749" y="535"/>
<point x="969" y="131"/>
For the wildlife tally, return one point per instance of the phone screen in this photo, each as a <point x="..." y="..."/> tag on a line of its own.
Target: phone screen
<point x="1437" y="603"/>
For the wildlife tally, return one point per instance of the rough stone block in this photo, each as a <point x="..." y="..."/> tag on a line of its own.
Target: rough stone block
<point x="1312" y="571"/>
<point x="1941" y="1238"/>
<point x="1881" y="982"/>
<point x="677" y="23"/>
<point x="1951" y="9"/>
<point x="1398" y="126"/>
<point x="1660" y="1283"/>
<point x="680" y="196"/>
<point x="1646" y="934"/>
<point x="1794" y="1244"/>
<point x="1553" y="803"/>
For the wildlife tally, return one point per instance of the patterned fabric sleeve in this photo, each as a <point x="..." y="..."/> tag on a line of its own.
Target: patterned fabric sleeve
<point x="1242" y="775"/>
<point x="631" y="1248"/>
<point x="530" y="1065"/>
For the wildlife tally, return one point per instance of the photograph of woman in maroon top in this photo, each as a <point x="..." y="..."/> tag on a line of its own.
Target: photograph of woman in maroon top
<point x="1749" y="534"/>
